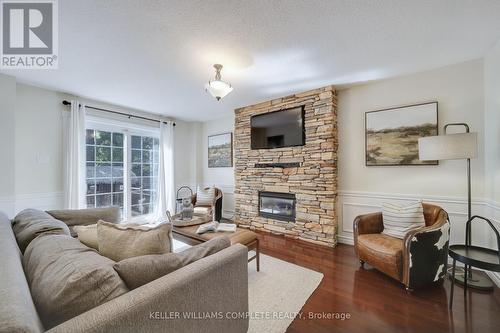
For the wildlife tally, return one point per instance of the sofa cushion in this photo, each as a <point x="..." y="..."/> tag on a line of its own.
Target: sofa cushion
<point x="138" y="271"/>
<point x="68" y="278"/>
<point x="73" y="217"/>
<point x="383" y="252"/>
<point x="400" y="218"/>
<point x="18" y="313"/>
<point x="30" y="223"/>
<point x="122" y="241"/>
<point x="87" y="234"/>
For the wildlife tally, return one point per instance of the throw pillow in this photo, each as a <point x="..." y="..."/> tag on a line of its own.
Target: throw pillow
<point x="87" y="234"/>
<point x="122" y="241"/>
<point x="205" y="197"/>
<point x="399" y="218"/>
<point x="67" y="278"/>
<point x="141" y="270"/>
<point x="73" y="217"/>
<point x="30" y="223"/>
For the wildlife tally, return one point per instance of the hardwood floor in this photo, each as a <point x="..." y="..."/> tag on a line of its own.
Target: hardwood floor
<point x="375" y="302"/>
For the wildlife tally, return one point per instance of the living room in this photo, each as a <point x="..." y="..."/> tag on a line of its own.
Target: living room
<point x="264" y="166"/>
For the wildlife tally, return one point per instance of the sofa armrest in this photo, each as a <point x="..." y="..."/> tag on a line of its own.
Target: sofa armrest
<point x="425" y="253"/>
<point x="74" y="217"/>
<point x="216" y="285"/>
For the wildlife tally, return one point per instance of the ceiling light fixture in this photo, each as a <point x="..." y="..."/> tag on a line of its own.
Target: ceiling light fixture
<point x="218" y="88"/>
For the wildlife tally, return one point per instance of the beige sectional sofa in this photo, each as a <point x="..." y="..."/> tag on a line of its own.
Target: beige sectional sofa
<point x="208" y="295"/>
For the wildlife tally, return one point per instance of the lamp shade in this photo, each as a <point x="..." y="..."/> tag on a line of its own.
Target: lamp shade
<point x="218" y="88"/>
<point x="448" y="147"/>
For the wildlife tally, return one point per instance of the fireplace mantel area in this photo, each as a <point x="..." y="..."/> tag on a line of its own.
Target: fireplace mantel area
<point x="307" y="173"/>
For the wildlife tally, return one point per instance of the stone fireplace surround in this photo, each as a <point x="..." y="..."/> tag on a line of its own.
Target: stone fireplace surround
<point x="309" y="172"/>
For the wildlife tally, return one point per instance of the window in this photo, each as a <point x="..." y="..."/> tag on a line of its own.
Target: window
<point x="122" y="170"/>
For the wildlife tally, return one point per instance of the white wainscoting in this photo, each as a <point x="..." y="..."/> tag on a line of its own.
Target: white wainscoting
<point x="43" y="201"/>
<point x="353" y="203"/>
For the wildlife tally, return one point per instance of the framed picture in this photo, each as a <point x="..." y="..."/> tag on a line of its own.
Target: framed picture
<point x="220" y="150"/>
<point x="391" y="135"/>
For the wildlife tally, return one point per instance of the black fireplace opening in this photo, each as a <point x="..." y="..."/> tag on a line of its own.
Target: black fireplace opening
<point x="279" y="206"/>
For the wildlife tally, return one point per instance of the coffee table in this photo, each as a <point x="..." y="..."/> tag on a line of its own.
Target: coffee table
<point x="240" y="236"/>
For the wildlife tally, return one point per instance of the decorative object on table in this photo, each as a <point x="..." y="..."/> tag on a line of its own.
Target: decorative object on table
<point x="187" y="209"/>
<point x="391" y="135"/>
<point x="178" y="221"/>
<point x="418" y="259"/>
<point x="453" y="147"/>
<point x="216" y="227"/>
<point x="213" y="207"/>
<point x="469" y="255"/>
<point x="218" y="88"/>
<point x="182" y="192"/>
<point x="220" y="150"/>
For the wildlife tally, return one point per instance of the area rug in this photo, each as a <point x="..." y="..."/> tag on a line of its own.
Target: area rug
<point x="277" y="292"/>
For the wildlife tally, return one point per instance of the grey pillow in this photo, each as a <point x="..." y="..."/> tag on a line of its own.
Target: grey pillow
<point x="138" y="271"/>
<point x="30" y="223"/>
<point x="74" y="217"/>
<point x="67" y="278"/>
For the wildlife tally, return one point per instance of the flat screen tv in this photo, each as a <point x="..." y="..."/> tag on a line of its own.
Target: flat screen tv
<point x="284" y="128"/>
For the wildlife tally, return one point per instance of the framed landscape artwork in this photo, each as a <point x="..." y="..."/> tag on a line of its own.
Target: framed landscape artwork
<point x="220" y="150"/>
<point x="391" y="135"/>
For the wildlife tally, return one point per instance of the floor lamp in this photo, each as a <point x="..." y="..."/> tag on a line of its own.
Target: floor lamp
<point x="456" y="146"/>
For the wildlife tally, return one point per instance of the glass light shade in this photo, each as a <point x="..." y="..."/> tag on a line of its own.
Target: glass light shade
<point x="448" y="147"/>
<point x="218" y="88"/>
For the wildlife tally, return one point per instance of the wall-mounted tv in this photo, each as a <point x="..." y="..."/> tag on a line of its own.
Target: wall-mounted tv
<point x="284" y="128"/>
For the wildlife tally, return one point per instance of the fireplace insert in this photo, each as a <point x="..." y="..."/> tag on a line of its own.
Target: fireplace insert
<point x="278" y="206"/>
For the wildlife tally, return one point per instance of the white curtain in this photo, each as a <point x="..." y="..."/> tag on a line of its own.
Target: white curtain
<point x="166" y="190"/>
<point x="74" y="148"/>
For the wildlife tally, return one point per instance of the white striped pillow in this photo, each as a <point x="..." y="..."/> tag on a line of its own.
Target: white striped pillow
<point x="399" y="218"/>
<point x="205" y="197"/>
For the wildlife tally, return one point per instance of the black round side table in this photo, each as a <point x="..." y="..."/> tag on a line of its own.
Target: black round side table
<point x="473" y="256"/>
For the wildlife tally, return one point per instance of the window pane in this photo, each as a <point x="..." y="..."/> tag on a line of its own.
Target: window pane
<point x="90" y="137"/>
<point x="117" y="170"/>
<point x="90" y="186"/>
<point x="136" y="170"/>
<point x="102" y="170"/>
<point x="117" y="155"/>
<point x="147" y="143"/>
<point x="118" y="185"/>
<point x="103" y="185"/>
<point x="136" y="142"/>
<point x="136" y="155"/>
<point x="103" y="154"/>
<point x="118" y="199"/>
<point x="102" y="138"/>
<point x="146" y="156"/>
<point x="90" y="153"/>
<point x="90" y="201"/>
<point x="146" y="170"/>
<point x="90" y="170"/>
<point x="117" y="140"/>
<point x="103" y="200"/>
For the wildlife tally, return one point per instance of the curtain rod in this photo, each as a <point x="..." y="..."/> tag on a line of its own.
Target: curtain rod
<point x="65" y="102"/>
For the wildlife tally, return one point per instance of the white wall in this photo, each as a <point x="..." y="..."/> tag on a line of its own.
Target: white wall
<point x="492" y="121"/>
<point x="459" y="90"/>
<point x="7" y="148"/>
<point x="222" y="178"/>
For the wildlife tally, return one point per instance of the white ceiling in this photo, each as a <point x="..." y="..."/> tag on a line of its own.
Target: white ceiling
<point x="157" y="55"/>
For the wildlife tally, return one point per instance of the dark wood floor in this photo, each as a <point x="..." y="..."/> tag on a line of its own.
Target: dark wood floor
<point x="375" y="302"/>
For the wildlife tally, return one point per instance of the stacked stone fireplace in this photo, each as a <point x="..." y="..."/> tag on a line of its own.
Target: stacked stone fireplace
<point x="290" y="190"/>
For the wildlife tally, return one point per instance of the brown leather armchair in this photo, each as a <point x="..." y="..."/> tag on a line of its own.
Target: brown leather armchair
<point x="216" y="206"/>
<point x="418" y="259"/>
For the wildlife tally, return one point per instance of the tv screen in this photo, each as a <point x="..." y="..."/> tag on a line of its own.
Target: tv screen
<point x="278" y="129"/>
